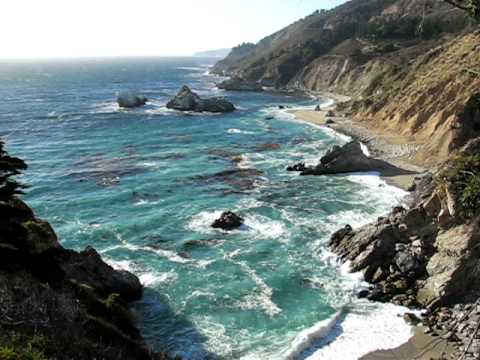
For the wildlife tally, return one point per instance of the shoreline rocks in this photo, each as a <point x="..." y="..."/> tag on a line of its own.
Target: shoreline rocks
<point x="239" y="84"/>
<point x="130" y="100"/>
<point x="423" y="257"/>
<point x="348" y="158"/>
<point x="187" y="100"/>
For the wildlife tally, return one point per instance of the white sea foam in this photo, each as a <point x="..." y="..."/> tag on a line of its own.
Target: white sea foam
<point x="202" y="221"/>
<point x="306" y="338"/>
<point x="265" y="228"/>
<point x="375" y="186"/>
<point x="106" y="108"/>
<point x="381" y="324"/>
<point x="167" y="254"/>
<point x="260" y="299"/>
<point x="238" y="131"/>
<point x="329" y="102"/>
<point x="215" y="333"/>
<point x="365" y="149"/>
<point x="150" y="279"/>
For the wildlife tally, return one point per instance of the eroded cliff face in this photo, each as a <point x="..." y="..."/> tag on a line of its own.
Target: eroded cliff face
<point x="410" y="66"/>
<point x="433" y="98"/>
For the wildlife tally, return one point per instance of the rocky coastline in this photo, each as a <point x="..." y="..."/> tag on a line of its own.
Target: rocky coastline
<point x="425" y="257"/>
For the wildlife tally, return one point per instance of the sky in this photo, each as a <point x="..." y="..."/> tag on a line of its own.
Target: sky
<point x="90" y="28"/>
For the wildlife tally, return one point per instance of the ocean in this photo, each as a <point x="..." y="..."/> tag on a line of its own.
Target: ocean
<point x="143" y="186"/>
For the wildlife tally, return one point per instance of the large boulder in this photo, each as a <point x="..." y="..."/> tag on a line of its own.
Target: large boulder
<point x="187" y="100"/>
<point x="350" y="158"/>
<point x="130" y="100"/>
<point x="238" y="84"/>
<point x="453" y="269"/>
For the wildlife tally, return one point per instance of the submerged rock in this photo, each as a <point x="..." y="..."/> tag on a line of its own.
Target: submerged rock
<point x="130" y="100"/>
<point x="350" y="158"/>
<point x="187" y="100"/>
<point x="238" y="84"/>
<point x="297" y="167"/>
<point x="228" y="221"/>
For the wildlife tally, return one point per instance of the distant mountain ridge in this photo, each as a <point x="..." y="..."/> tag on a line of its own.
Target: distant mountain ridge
<point x="219" y="53"/>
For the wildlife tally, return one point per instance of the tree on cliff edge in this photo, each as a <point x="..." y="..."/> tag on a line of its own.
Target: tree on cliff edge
<point x="472" y="7"/>
<point x="9" y="167"/>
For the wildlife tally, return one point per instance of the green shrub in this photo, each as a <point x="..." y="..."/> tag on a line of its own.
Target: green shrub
<point x="19" y="348"/>
<point x="111" y="300"/>
<point x="464" y="176"/>
<point x="9" y="168"/>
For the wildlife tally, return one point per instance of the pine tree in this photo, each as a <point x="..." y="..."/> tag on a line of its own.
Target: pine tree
<point x="9" y="168"/>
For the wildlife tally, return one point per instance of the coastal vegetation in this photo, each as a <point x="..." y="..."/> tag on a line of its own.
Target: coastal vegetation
<point x="464" y="177"/>
<point x="9" y="168"/>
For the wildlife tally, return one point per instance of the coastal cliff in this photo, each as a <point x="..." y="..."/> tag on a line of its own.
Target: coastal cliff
<point x="410" y="67"/>
<point x="56" y="303"/>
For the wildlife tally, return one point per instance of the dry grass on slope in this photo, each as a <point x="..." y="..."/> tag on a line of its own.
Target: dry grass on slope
<point x="427" y="100"/>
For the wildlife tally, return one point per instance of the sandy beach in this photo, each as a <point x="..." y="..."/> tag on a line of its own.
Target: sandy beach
<point x="392" y="148"/>
<point x="419" y="347"/>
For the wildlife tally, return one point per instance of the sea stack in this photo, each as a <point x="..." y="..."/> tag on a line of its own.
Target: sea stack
<point x="188" y="100"/>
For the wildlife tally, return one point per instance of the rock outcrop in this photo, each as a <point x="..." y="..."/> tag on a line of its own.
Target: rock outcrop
<point x="61" y="304"/>
<point x="130" y="100"/>
<point x="348" y="158"/>
<point x="228" y="221"/>
<point x="427" y="255"/>
<point x="187" y="100"/>
<point x="238" y="84"/>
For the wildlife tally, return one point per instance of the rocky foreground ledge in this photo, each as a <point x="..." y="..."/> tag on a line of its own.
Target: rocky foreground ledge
<point x="427" y="256"/>
<point x="60" y="304"/>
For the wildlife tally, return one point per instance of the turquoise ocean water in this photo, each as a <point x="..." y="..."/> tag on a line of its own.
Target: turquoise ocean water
<point x="142" y="186"/>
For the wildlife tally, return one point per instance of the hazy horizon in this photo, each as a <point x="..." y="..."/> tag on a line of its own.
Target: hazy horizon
<point x="60" y="30"/>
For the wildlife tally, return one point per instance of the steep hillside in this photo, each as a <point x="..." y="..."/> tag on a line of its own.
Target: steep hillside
<point x="276" y="59"/>
<point x="411" y="67"/>
<point x="434" y="99"/>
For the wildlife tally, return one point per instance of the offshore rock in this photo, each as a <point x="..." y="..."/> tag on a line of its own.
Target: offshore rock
<point x="187" y="100"/>
<point x="228" y="221"/>
<point x="130" y="100"/>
